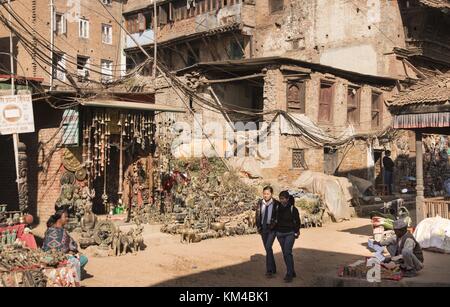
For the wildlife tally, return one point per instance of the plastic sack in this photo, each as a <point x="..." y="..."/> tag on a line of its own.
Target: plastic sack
<point x="434" y="233"/>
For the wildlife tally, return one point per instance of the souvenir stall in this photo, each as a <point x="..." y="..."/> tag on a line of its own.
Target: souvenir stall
<point x="22" y="263"/>
<point x="115" y="157"/>
<point x="424" y="109"/>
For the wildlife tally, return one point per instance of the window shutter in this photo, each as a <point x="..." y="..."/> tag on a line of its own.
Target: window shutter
<point x="63" y="24"/>
<point x="162" y="18"/>
<point x="326" y="96"/>
<point x="141" y="22"/>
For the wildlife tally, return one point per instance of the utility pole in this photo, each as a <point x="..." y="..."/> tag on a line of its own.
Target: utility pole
<point x="52" y="40"/>
<point x="155" y="45"/>
<point x="13" y="92"/>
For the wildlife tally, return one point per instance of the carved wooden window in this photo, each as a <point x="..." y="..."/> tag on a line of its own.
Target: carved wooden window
<point x="353" y="105"/>
<point x="296" y="96"/>
<point x="325" y="102"/>
<point x="377" y="99"/>
<point x="298" y="159"/>
<point x="276" y="5"/>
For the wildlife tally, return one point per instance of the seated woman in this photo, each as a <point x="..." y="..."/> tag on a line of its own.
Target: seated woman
<point x="56" y="237"/>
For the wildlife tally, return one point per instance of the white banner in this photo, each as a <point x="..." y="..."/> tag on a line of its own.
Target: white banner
<point x="16" y="114"/>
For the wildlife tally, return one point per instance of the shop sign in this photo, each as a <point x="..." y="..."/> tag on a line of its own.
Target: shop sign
<point x="16" y="114"/>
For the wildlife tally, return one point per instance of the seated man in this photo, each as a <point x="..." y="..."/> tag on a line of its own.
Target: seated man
<point x="404" y="250"/>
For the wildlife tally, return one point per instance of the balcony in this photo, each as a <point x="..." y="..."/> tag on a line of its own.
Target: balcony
<point x="145" y="37"/>
<point x="176" y="20"/>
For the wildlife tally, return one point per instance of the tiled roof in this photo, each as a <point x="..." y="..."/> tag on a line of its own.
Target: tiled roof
<point x="440" y="4"/>
<point x="433" y="90"/>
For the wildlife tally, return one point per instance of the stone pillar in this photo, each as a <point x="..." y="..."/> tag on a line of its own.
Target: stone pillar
<point x="23" y="178"/>
<point x="419" y="179"/>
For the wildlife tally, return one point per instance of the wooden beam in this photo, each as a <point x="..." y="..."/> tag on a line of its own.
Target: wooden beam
<point x="214" y="46"/>
<point x="197" y="59"/>
<point x="216" y="98"/>
<point x="295" y="68"/>
<point x="220" y="39"/>
<point x="239" y="43"/>
<point x="419" y="179"/>
<point x="210" y="51"/>
<point x="260" y="75"/>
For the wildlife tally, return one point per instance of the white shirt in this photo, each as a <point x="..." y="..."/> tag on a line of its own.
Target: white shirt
<point x="269" y="207"/>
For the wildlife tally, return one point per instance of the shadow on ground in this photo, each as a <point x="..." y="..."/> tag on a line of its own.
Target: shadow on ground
<point x="309" y="264"/>
<point x="365" y="230"/>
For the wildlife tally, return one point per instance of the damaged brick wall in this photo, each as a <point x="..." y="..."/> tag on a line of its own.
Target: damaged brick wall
<point x="346" y="34"/>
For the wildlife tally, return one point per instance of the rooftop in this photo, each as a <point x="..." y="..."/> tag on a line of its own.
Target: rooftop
<point x="439" y="4"/>
<point x="433" y="90"/>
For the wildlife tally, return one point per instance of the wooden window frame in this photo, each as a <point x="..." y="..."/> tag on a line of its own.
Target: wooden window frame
<point x="329" y="119"/>
<point x="271" y="7"/>
<point x="304" y="165"/>
<point x="379" y="111"/>
<point x="301" y="109"/>
<point x="356" y="107"/>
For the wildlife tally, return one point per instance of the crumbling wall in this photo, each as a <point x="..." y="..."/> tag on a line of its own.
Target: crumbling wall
<point x="346" y="34"/>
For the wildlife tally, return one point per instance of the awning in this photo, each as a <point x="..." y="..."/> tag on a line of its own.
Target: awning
<point x="424" y="120"/>
<point x="116" y="104"/>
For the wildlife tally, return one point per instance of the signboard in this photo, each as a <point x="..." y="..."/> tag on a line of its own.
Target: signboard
<point x="71" y="129"/>
<point x="16" y="114"/>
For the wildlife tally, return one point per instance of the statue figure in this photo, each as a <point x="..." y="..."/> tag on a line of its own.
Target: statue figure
<point x="66" y="197"/>
<point x="136" y="181"/>
<point x="126" y="240"/>
<point x="138" y="239"/>
<point x="115" y="244"/>
<point x="89" y="219"/>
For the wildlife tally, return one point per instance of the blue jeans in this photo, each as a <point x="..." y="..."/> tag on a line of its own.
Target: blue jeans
<point x="287" y="243"/>
<point x="268" y="237"/>
<point x="389" y="180"/>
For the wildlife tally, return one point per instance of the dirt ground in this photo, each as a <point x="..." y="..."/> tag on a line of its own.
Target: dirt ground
<point x="239" y="261"/>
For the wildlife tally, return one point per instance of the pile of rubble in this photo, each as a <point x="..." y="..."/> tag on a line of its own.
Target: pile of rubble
<point x="212" y="203"/>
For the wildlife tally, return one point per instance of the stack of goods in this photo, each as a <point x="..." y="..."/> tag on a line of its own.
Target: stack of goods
<point x="24" y="267"/>
<point x="311" y="209"/>
<point x="363" y="269"/>
<point x="213" y="202"/>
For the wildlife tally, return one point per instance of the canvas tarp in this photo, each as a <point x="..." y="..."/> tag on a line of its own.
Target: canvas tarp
<point x="336" y="192"/>
<point x="361" y="184"/>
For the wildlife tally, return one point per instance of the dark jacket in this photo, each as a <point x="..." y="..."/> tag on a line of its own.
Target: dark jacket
<point x="275" y="204"/>
<point x="287" y="219"/>
<point x="388" y="164"/>
<point x="417" y="249"/>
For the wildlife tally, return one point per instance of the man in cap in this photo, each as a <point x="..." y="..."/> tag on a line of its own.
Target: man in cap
<point x="404" y="250"/>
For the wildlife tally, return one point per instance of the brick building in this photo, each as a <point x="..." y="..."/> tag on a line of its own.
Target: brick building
<point x="334" y="61"/>
<point x="86" y="54"/>
<point x="331" y="64"/>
